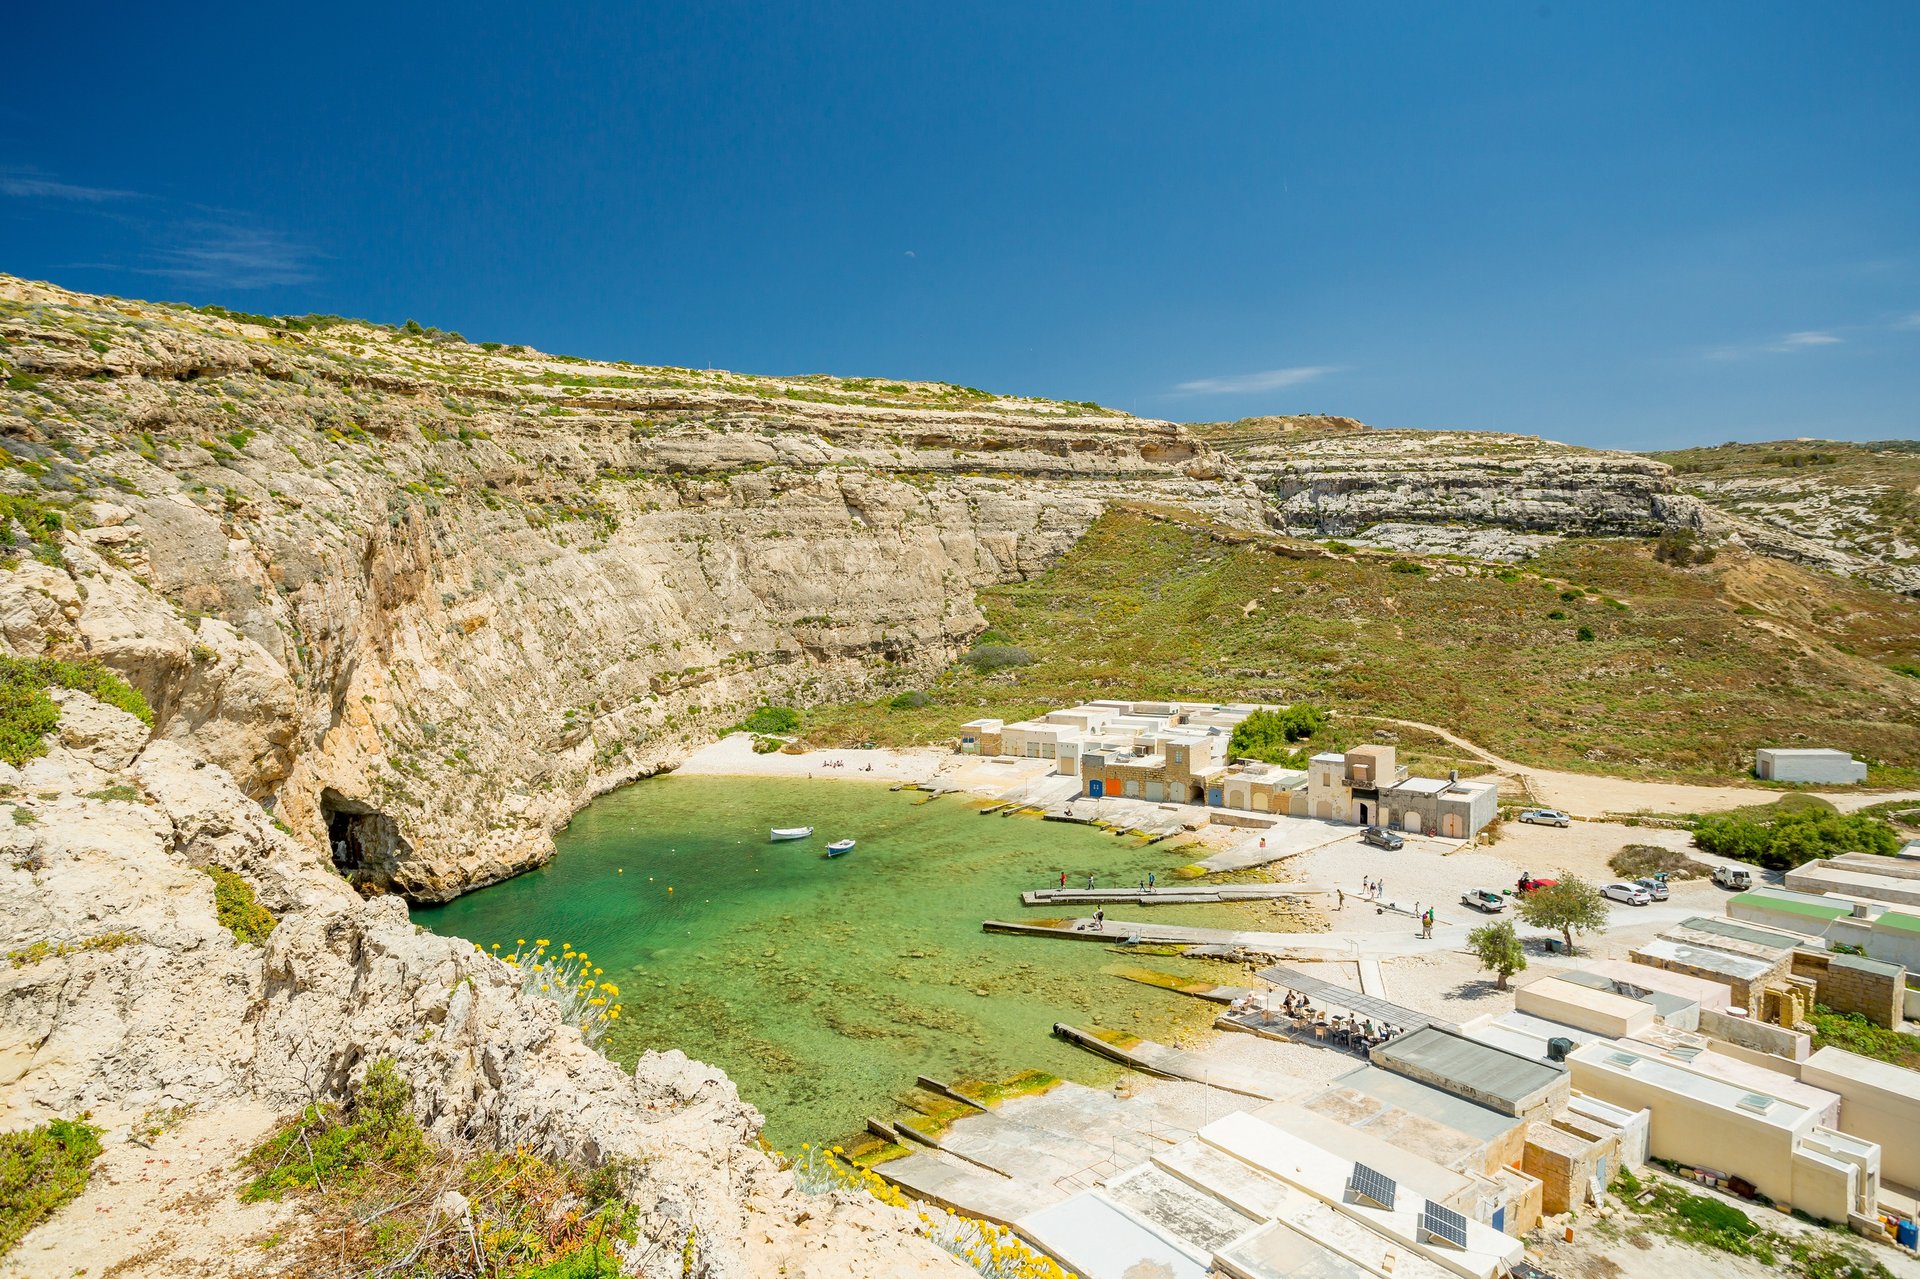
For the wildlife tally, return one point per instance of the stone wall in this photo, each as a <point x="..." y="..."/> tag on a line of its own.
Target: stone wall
<point x="1850" y="984"/>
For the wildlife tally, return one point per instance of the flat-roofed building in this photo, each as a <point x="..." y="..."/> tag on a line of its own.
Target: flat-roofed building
<point x="1589" y="1008"/>
<point x="1476" y="1249"/>
<point x="1878" y="1102"/>
<point x="1752" y="1137"/>
<point x="1178" y="752"/>
<point x="1784" y="764"/>
<point x="1489" y="1076"/>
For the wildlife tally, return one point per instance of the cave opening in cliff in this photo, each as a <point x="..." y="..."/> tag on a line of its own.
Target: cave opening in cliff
<point x="361" y="838"/>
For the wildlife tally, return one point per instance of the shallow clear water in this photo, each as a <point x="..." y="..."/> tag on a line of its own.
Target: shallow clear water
<point x="824" y="987"/>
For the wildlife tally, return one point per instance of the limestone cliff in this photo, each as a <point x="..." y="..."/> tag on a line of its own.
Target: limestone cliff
<point x="426" y="598"/>
<point x="1437" y="490"/>
<point x="123" y="996"/>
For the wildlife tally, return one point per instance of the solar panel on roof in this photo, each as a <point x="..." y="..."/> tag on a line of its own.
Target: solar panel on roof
<point x="1437" y="1221"/>
<point x="1375" y="1187"/>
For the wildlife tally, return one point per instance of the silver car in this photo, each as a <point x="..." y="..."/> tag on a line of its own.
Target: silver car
<point x="1631" y="894"/>
<point x="1656" y="888"/>
<point x="1545" y="817"/>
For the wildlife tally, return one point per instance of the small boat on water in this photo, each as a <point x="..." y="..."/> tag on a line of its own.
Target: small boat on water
<point x="839" y="846"/>
<point x="791" y="832"/>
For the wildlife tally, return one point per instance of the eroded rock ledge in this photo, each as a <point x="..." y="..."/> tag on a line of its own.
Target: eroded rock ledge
<point x="105" y="838"/>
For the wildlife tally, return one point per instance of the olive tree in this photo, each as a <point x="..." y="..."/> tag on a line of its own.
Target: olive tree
<point x="1571" y="906"/>
<point x="1498" y="949"/>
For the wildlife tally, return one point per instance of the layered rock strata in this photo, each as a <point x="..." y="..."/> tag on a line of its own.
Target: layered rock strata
<point x="426" y="599"/>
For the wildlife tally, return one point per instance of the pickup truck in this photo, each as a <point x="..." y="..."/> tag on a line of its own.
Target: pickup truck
<point x="1733" y="877"/>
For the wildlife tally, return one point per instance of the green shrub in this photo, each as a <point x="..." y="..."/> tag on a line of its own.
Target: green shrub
<point x="986" y="658"/>
<point x="1584" y="635"/>
<point x="1682" y="547"/>
<point x="1407" y="566"/>
<point x="1270" y="735"/>
<point x="1643" y="861"/>
<point x="1558" y="615"/>
<point x="1792" y="835"/>
<point x="770" y="719"/>
<point x="27" y="714"/>
<point x="1856" y="1034"/>
<point x="239" y="911"/>
<point x="910" y="701"/>
<point x="38" y="522"/>
<point x="42" y="1169"/>
<point x="326" y="1148"/>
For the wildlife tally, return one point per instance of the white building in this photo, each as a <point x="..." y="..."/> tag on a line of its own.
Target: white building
<point x="1779" y="764"/>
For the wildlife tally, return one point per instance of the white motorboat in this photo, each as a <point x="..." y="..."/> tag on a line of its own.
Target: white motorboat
<point x="791" y="832"/>
<point x="839" y="846"/>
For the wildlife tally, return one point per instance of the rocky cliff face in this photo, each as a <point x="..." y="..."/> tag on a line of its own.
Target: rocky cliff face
<point x="424" y="599"/>
<point x="1332" y="478"/>
<point x="123" y="995"/>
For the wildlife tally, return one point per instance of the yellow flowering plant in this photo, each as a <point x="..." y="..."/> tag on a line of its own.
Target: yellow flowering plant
<point x="567" y="979"/>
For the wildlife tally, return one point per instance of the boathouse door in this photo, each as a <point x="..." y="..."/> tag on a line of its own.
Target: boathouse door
<point x="1095" y="788"/>
<point x="1363" y="814"/>
<point x="1213" y="796"/>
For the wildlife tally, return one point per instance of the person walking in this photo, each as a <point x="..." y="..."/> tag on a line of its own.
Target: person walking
<point x="1149" y="879"/>
<point x="1063" y="879"/>
<point x="1089" y="882"/>
<point x="1426" y="923"/>
<point x="1340" y="902"/>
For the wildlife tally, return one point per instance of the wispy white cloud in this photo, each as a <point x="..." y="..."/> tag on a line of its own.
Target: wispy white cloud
<point x="177" y="240"/>
<point x="1786" y="344"/>
<point x="232" y="255"/>
<point x="1265" y="380"/>
<point x="1909" y="321"/>
<point x="31" y="184"/>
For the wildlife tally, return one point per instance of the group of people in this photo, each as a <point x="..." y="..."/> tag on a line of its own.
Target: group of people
<point x="841" y="763"/>
<point x="1344" y="1029"/>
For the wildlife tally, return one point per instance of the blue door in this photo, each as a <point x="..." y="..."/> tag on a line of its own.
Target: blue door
<point x="1095" y="788"/>
<point x="1500" y="1218"/>
<point x="1213" y="796"/>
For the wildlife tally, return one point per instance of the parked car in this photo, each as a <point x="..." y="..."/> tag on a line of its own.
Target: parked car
<point x="1381" y="838"/>
<point x="1656" y="888"/>
<point x="1733" y="877"/>
<point x="1631" y="894"/>
<point x="1484" y="900"/>
<point x="1529" y="884"/>
<point x="1545" y="817"/>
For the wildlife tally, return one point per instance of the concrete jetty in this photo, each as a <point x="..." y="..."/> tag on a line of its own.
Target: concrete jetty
<point x="1350" y="946"/>
<point x="1167" y="894"/>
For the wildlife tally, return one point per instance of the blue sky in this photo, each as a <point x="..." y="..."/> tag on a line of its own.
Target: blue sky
<point x="1618" y="224"/>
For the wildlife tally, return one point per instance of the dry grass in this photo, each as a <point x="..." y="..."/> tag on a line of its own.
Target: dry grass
<point x="1689" y="669"/>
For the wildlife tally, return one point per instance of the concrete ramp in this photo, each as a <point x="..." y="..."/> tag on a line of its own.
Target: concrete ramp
<point x="1169" y="1063"/>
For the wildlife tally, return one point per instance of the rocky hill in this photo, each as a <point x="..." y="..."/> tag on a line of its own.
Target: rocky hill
<point x="1841" y="508"/>
<point x="426" y="598"/>
<point x="1850" y="508"/>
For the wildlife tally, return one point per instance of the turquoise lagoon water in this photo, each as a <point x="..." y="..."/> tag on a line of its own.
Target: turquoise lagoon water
<point x="825" y="987"/>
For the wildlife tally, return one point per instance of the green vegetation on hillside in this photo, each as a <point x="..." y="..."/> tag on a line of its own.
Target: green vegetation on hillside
<point x="1688" y="670"/>
<point x="239" y="911"/>
<point x="42" y="1169"/>
<point x="1793" y="831"/>
<point x="372" y="1178"/>
<point x="27" y="714"/>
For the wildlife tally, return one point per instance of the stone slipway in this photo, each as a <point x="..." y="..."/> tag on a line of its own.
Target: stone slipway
<point x="1168" y="895"/>
<point x="1169" y="1063"/>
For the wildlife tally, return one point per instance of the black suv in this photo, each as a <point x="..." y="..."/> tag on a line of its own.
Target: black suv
<point x="1381" y="838"/>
